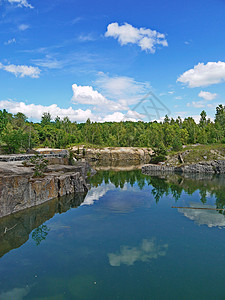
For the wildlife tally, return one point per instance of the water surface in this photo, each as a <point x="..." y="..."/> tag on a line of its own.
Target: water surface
<point x="123" y="240"/>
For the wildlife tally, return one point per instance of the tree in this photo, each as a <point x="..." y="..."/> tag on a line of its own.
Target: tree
<point x="45" y="119"/>
<point x="203" y="120"/>
<point x="12" y="138"/>
<point x="20" y="120"/>
<point x="3" y="119"/>
<point x="176" y="144"/>
<point x="159" y="154"/>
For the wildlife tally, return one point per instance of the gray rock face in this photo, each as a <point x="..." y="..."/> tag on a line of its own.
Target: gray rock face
<point x="20" y="190"/>
<point x="24" y="157"/>
<point x="213" y="167"/>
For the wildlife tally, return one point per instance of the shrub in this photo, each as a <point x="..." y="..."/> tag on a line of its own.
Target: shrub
<point x="159" y="154"/>
<point x="40" y="165"/>
<point x="177" y="144"/>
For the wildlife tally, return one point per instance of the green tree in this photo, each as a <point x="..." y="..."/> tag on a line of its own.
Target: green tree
<point x="46" y="119"/>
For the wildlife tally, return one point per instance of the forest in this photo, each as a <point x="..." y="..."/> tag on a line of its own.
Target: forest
<point x="17" y="134"/>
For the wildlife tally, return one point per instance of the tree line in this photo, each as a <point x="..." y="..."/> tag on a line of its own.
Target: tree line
<point x="17" y="134"/>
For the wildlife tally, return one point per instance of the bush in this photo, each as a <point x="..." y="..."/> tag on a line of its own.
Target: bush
<point x="40" y="165"/>
<point x="177" y="144"/>
<point x="159" y="154"/>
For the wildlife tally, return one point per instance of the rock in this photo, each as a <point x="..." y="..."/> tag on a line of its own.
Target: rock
<point x="19" y="190"/>
<point x="127" y="154"/>
<point x="53" y="158"/>
<point x="213" y="167"/>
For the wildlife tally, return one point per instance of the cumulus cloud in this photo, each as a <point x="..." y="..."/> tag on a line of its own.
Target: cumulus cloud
<point x="207" y="95"/>
<point x="21" y="3"/>
<point x="204" y="75"/>
<point x="211" y="218"/>
<point x="21" y="70"/>
<point x="87" y="95"/>
<point x="23" y="27"/>
<point x="147" y="39"/>
<point x="129" y="255"/>
<point x="33" y="111"/>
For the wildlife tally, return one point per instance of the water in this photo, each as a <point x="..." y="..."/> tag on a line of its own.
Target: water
<point x="123" y="240"/>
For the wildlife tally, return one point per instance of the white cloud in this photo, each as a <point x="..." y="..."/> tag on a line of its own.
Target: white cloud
<point x="124" y="90"/>
<point x="21" y="70"/>
<point x="21" y="3"/>
<point x="23" y="27"/>
<point x="33" y="111"/>
<point x="12" y="41"/>
<point x="207" y="95"/>
<point x="86" y="38"/>
<point x="147" y="39"/>
<point x="204" y="75"/>
<point x="200" y="104"/>
<point x="129" y="255"/>
<point x="48" y="62"/>
<point x="115" y="117"/>
<point x="196" y="104"/>
<point x="211" y="218"/>
<point x="87" y="95"/>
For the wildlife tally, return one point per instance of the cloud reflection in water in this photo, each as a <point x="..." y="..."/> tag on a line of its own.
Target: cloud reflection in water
<point x="129" y="255"/>
<point x="211" y="218"/>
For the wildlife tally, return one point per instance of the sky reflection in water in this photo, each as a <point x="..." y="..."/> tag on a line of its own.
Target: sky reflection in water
<point x="120" y="241"/>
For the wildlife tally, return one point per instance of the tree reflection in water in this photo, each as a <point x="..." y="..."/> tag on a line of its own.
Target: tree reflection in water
<point x="168" y="184"/>
<point x="40" y="234"/>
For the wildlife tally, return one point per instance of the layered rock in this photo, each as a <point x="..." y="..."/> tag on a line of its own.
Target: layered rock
<point x="127" y="154"/>
<point x="212" y="167"/>
<point x="19" y="190"/>
<point x="60" y="157"/>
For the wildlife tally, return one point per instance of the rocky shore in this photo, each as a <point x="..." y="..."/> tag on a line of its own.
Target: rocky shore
<point x="111" y="154"/>
<point x="20" y="190"/>
<point x="210" y="167"/>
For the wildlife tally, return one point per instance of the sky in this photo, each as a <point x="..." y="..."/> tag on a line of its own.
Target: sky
<point x="112" y="60"/>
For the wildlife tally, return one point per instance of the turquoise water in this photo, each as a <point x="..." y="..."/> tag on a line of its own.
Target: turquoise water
<point x="123" y="240"/>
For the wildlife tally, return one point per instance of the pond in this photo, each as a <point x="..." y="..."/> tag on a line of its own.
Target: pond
<point x="123" y="240"/>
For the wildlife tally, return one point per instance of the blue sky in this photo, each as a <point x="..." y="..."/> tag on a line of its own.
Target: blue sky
<point x="98" y="59"/>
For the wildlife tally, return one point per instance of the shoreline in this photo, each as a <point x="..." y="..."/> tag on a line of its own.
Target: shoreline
<point x="207" y="167"/>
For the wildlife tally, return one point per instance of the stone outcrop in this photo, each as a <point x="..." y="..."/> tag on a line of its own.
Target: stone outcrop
<point x="212" y="167"/>
<point x="19" y="190"/>
<point x="127" y="154"/>
<point x="60" y="157"/>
